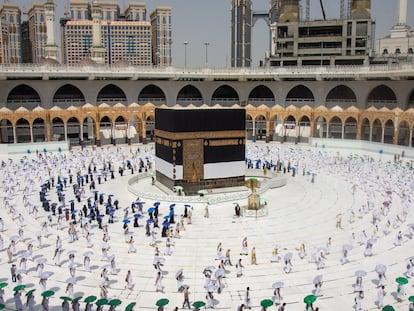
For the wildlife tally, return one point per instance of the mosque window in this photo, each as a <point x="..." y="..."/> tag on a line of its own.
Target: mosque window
<point x="385" y="52"/>
<point x="397" y="51"/>
<point x="410" y="51"/>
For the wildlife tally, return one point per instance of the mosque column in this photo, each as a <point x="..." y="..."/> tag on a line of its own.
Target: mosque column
<point x="14" y="134"/>
<point x="97" y="133"/>
<point x="370" y="132"/>
<point x="254" y="129"/>
<point x="113" y="136"/>
<point x="269" y="132"/>
<point x="312" y="128"/>
<point x="81" y="133"/>
<point x="66" y="131"/>
<point x="31" y="133"/>
<point x="343" y="130"/>
<point x="396" y="134"/>
<point x="359" y="130"/>
<point x="1" y="135"/>
<point x="382" y="134"/>
<point x="410" y="139"/>
<point x="327" y="129"/>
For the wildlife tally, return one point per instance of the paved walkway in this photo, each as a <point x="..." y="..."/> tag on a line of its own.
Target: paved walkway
<point x="300" y="212"/>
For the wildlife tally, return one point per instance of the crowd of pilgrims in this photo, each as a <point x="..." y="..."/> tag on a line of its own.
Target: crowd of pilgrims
<point x="384" y="188"/>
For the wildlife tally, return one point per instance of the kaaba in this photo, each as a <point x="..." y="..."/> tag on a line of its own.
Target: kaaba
<point x="200" y="149"/>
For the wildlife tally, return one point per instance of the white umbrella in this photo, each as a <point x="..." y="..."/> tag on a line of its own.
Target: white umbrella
<point x="211" y="288"/>
<point x="14" y="238"/>
<point x="20" y="271"/>
<point x="46" y="275"/>
<point x="360" y="273"/>
<point x="219" y="272"/>
<point x="178" y="273"/>
<point x="41" y="260"/>
<point x="105" y="245"/>
<point x="26" y="255"/>
<point x="323" y="250"/>
<point x="88" y="254"/>
<point x="288" y="256"/>
<point x="347" y="247"/>
<point x="317" y="279"/>
<point x="380" y="268"/>
<point x="158" y="259"/>
<point x="71" y="280"/>
<point x="72" y="252"/>
<point x="278" y="285"/>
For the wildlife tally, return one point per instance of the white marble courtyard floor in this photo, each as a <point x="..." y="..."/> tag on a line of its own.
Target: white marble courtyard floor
<point x="300" y="212"/>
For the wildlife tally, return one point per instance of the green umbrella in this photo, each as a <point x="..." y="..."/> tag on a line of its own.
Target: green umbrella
<point x="90" y="299"/>
<point x="2" y="306"/>
<point x="48" y="293"/>
<point x="101" y="302"/>
<point x="130" y="306"/>
<point x="411" y="299"/>
<point x="3" y="285"/>
<point x="162" y="302"/>
<point x="77" y="298"/>
<point x="179" y="187"/>
<point x="309" y="299"/>
<point x="30" y="292"/>
<point x="19" y="287"/>
<point x="115" y="302"/>
<point x="202" y="191"/>
<point x="388" y="308"/>
<point x="199" y="304"/>
<point x="401" y="280"/>
<point x="266" y="303"/>
<point x="65" y="298"/>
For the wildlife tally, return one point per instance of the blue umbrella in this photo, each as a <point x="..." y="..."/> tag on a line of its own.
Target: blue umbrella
<point x="150" y="221"/>
<point x="137" y="215"/>
<point x="138" y="203"/>
<point x="126" y="221"/>
<point x="95" y="190"/>
<point x="166" y="217"/>
<point x="151" y="210"/>
<point x="166" y="224"/>
<point x="101" y="216"/>
<point x="74" y="212"/>
<point x="187" y="205"/>
<point x="110" y="195"/>
<point x="90" y="215"/>
<point x="71" y="200"/>
<point x="172" y="205"/>
<point x="157" y="203"/>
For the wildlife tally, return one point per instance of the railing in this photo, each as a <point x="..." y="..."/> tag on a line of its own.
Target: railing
<point x="174" y="72"/>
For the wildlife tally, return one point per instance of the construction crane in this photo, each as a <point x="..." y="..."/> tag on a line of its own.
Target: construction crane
<point x="323" y="10"/>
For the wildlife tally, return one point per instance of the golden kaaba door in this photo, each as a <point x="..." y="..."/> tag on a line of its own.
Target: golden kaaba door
<point x="193" y="160"/>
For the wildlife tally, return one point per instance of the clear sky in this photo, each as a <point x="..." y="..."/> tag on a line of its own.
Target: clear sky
<point x="201" y="21"/>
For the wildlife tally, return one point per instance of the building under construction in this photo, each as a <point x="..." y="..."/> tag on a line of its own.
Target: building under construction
<point x="302" y="42"/>
<point x="298" y="41"/>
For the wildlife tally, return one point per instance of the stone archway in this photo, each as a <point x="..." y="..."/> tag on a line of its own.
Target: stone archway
<point x="225" y="96"/>
<point x="189" y="94"/>
<point x="376" y="131"/>
<point x="23" y="134"/>
<point x="350" y="128"/>
<point x="73" y="131"/>
<point x="39" y="130"/>
<point x="403" y="134"/>
<point x="389" y="132"/>
<point x="58" y="131"/>
<point x="365" y="130"/>
<point x="335" y="128"/>
<point x="321" y="127"/>
<point x="6" y="131"/>
<point x="261" y="95"/>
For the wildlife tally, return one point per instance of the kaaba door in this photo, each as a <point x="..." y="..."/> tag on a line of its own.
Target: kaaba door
<point x="193" y="160"/>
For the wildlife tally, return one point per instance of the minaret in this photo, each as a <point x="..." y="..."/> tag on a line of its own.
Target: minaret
<point x="51" y="48"/>
<point x="402" y="12"/>
<point x="97" y="50"/>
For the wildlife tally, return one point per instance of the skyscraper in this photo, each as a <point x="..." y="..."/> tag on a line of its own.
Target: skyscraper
<point x="12" y="18"/>
<point x="241" y="33"/>
<point x="161" y="36"/>
<point x="37" y="31"/>
<point x="104" y="34"/>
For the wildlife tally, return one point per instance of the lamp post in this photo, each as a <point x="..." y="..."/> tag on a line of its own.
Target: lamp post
<point x="207" y="44"/>
<point x="185" y="54"/>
